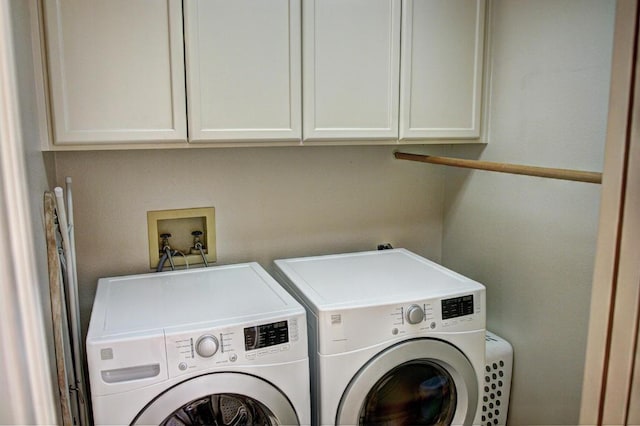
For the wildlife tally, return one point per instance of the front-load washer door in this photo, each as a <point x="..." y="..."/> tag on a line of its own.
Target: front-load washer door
<point x="416" y="382"/>
<point x="220" y="399"/>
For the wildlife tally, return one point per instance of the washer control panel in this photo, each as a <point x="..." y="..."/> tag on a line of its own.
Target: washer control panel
<point x="412" y="314"/>
<point x="437" y="313"/>
<point x="415" y="314"/>
<point x="269" y="341"/>
<point x="266" y="335"/>
<point x="457" y="307"/>
<point x="207" y="346"/>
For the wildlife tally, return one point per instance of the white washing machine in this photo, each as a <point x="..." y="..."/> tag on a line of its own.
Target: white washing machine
<point x="394" y="338"/>
<point x="222" y="345"/>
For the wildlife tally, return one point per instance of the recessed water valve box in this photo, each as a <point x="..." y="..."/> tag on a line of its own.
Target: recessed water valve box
<point x="185" y="227"/>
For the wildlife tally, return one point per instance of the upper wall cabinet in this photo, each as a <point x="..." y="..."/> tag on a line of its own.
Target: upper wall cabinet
<point x="441" y="68"/>
<point x="351" y="59"/>
<point x="275" y="72"/>
<point x="374" y="72"/>
<point x="243" y="70"/>
<point x="116" y="71"/>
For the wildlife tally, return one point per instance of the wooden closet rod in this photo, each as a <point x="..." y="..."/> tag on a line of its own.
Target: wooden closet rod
<point x="565" y="174"/>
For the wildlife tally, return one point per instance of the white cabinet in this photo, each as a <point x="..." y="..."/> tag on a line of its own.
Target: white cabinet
<point x="116" y="71"/>
<point x="351" y="59"/>
<point x="359" y="82"/>
<point x="243" y="70"/>
<point x="277" y="71"/>
<point x="441" y="68"/>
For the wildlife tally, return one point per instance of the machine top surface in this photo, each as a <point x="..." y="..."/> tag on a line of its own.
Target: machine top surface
<point x="371" y="278"/>
<point x="222" y="295"/>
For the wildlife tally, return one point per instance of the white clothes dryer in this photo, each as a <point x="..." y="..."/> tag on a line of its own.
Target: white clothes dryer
<point x="221" y="345"/>
<point x="394" y="338"/>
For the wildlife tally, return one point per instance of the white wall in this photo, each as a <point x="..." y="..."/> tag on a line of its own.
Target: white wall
<point x="532" y="241"/>
<point x="25" y="369"/>
<point x="270" y="203"/>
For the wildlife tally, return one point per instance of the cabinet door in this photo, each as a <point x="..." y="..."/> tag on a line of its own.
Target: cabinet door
<point x="116" y="71"/>
<point x="351" y="59"/>
<point x="243" y="70"/>
<point x="442" y="59"/>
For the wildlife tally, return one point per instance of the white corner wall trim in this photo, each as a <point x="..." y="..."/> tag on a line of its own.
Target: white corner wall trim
<point x="24" y="362"/>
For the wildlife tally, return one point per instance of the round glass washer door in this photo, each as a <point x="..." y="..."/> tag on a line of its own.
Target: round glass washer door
<point x="222" y="399"/>
<point x="417" y="382"/>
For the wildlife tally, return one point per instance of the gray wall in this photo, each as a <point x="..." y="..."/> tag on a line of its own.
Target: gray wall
<point x="532" y="241"/>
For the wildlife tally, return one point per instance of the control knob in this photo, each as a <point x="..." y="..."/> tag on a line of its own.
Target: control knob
<point x="415" y="314"/>
<point x="207" y="346"/>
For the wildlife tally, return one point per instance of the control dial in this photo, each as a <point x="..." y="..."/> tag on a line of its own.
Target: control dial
<point x="415" y="314"/>
<point x="207" y="346"/>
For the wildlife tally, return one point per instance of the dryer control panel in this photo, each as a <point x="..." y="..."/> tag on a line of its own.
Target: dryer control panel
<point x="438" y="313"/>
<point x="273" y="341"/>
<point x="351" y="329"/>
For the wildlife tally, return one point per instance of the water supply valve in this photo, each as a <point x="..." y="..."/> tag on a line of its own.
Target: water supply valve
<point x="197" y="242"/>
<point x="198" y="248"/>
<point x="165" y="242"/>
